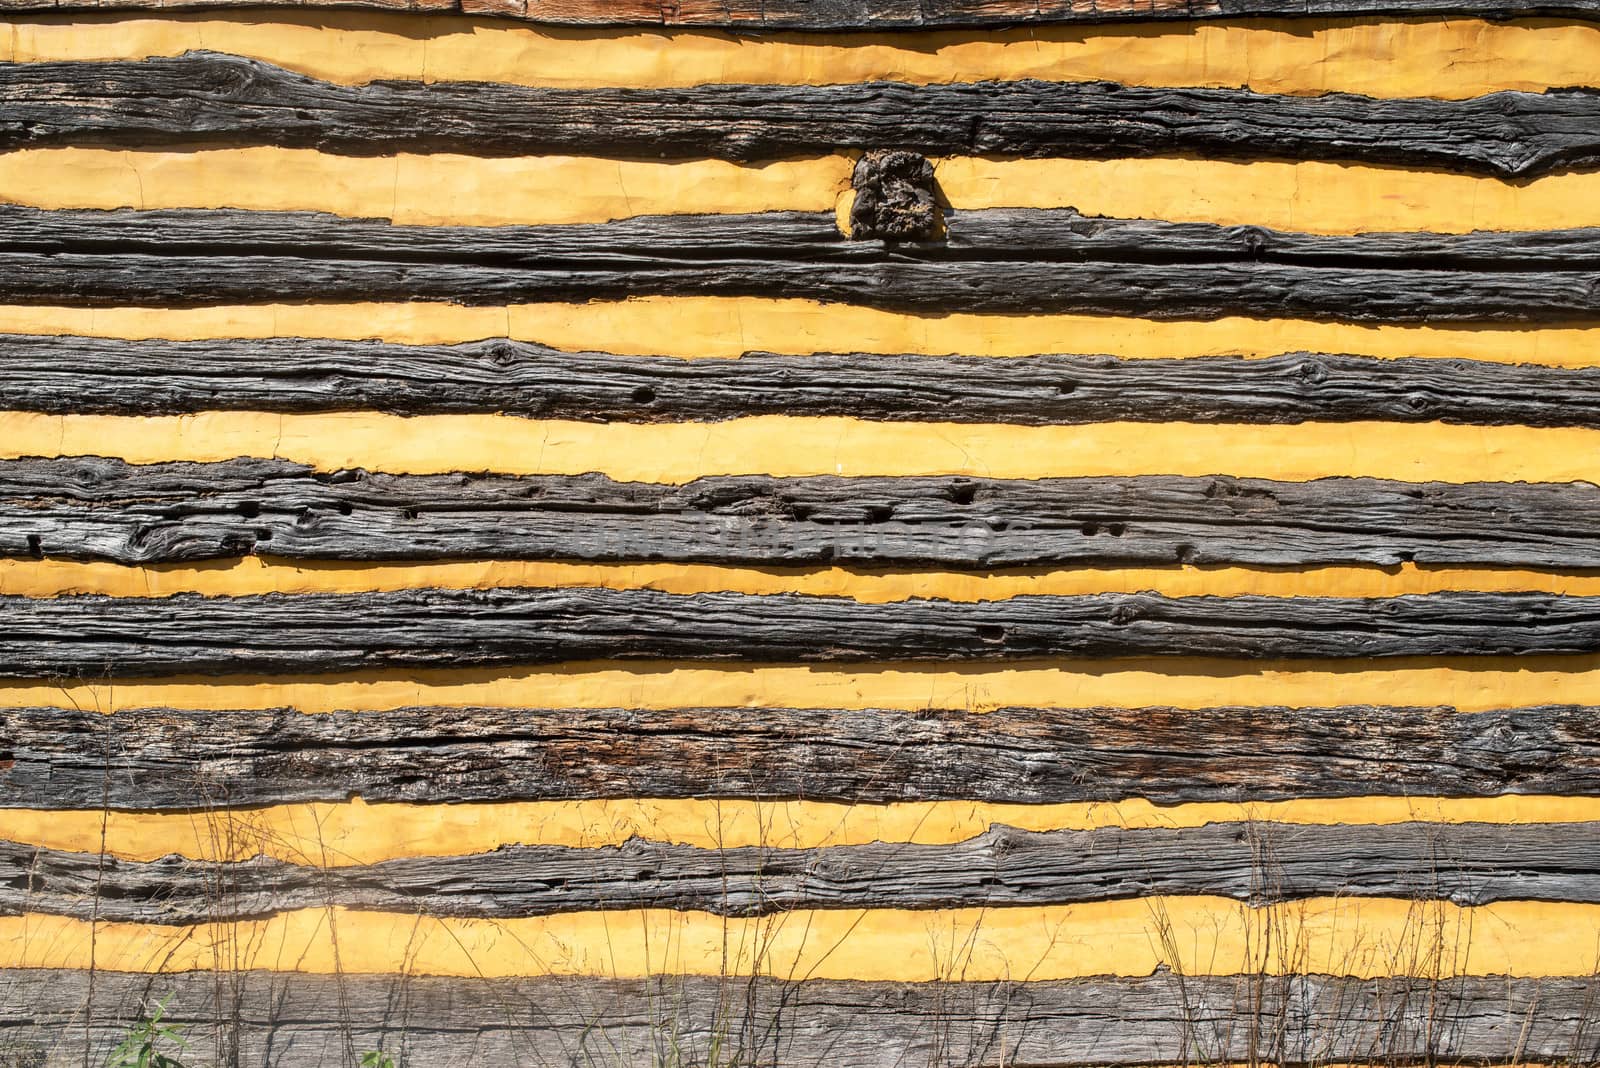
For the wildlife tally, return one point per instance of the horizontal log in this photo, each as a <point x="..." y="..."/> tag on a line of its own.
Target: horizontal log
<point x="210" y="98"/>
<point x="1010" y="261"/>
<point x="303" y="1021"/>
<point x="94" y="508"/>
<point x="67" y="374"/>
<point x="1066" y="235"/>
<point x="168" y="759"/>
<point x="1258" y="863"/>
<point x="120" y="637"/>
<point x="988" y="237"/>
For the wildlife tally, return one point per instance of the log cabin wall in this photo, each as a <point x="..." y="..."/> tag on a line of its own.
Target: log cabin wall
<point x="844" y="532"/>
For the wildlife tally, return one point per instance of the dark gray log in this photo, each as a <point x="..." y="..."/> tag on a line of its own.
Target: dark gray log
<point x="97" y="508"/>
<point x="1259" y="863"/>
<point x="102" y="375"/>
<point x="208" y="98"/>
<point x="309" y="1021"/>
<point x="1187" y="271"/>
<point x="1162" y="291"/>
<point x="989" y="237"/>
<point x="1065" y="234"/>
<point x="198" y="760"/>
<point x="119" y="637"/>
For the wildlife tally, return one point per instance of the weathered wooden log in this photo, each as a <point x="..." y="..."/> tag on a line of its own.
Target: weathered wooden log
<point x="119" y="637"/>
<point x="85" y="508"/>
<point x="209" y="98"/>
<point x="1060" y="236"/>
<point x="1258" y="863"/>
<point x="47" y="373"/>
<point x="1067" y="235"/>
<point x="57" y="758"/>
<point x="1177" y="271"/>
<point x="1159" y="291"/>
<point x="288" y="1020"/>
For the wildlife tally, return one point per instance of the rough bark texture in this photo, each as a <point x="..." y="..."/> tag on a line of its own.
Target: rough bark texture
<point x="196" y="760"/>
<point x="208" y="98"/>
<point x="119" y="637"/>
<point x="1002" y="261"/>
<point x="97" y="508"/>
<point x="1468" y="864"/>
<point x="64" y="374"/>
<point x="894" y="198"/>
<point x="300" y="1021"/>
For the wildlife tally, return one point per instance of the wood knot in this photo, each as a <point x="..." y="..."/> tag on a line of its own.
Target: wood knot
<point x="1123" y="614"/>
<point x="1313" y="372"/>
<point x="894" y="198"/>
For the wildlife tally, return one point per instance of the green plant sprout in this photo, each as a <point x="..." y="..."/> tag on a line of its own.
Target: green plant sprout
<point x="138" y="1048"/>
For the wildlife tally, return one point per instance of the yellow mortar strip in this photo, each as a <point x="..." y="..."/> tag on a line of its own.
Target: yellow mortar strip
<point x="724" y="327"/>
<point x="254" y="575"/>
<point x="419" y="189"/>
<point x="1312" y="197"/>
<point x="1454" y="58"/>
<point x="1196" y="935"/>
<point x="1471" y="684"/>
<point x="354" y="833"/>
<point x="787" y="446"/>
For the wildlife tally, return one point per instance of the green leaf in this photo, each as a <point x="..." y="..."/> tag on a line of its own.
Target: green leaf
<point x="138" y="1047"/>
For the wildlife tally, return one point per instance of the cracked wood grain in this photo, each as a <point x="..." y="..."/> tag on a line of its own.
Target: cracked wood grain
<point x="1002" y="261"/>
<point x="94" y="508"/>
<point x="167" y="759"/>
<point x="992" y="235"/>
<point x="67" y="374"/>
<point x="1259" y="863"/>
<point x="120" y="637"/>
<point x="210" y="98"/>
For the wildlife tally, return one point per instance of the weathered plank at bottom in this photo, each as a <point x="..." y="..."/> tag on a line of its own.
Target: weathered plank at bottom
<point x="94" y="635"/>
<point x="1469" y="864"/>
<point x="298" y="1021"/>
<point x="157" y="758"/>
